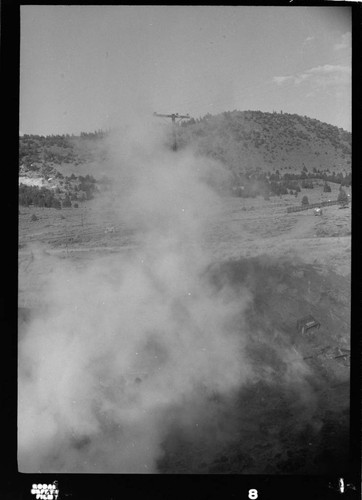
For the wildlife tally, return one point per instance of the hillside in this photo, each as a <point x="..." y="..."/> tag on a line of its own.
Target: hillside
<point x="252" y="141"/>
<point x="266" y="153"/>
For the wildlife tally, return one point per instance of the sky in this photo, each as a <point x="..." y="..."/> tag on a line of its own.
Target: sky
<point x="85" y="68"/>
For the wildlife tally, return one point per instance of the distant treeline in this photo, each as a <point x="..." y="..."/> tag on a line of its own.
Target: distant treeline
<point x="306" y="177"/>
<point x="276" y="185"/>
<point x="61" y="138"/>
<point x="58" y="198"/>
<point x="39" y="197"/>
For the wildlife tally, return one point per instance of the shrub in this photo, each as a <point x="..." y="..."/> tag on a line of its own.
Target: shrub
<point x="307" y="185"/>
<point x="34" y="218"/>
<point x="327" y="188"/>
<point x="305" y="200"/>
<point x="75" y="205"/>
<point x="56" y="203"/>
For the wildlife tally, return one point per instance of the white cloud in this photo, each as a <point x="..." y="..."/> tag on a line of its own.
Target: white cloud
<point x="308" y="40"/>
<point x="344" y="42"/>
<point x="279" y="80"/>
<point x="318" y="77"/>
<point x="330" y="68"/>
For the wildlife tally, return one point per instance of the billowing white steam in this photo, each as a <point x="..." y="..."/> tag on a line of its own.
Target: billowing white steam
<point x="129" y="338"/>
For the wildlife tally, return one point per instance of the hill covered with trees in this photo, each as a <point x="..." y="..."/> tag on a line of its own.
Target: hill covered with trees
<point x="266" y="153"/>
<point x="253" y="141"/>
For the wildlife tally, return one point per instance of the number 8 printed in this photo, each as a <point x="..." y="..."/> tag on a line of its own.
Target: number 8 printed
<point x="253" y="494"/>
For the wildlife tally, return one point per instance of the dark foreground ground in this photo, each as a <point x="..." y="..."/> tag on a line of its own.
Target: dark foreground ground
<point x="294" y="418"/>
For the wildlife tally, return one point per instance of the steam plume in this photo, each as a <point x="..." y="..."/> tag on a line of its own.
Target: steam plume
<point x="128" y="339"/>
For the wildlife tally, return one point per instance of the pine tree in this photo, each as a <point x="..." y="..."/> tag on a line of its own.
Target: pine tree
<point x="342" y="197"/>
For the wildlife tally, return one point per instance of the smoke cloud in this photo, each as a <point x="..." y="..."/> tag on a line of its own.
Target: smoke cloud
<point x="126" y="340"/>
<point x="131" y="345"/>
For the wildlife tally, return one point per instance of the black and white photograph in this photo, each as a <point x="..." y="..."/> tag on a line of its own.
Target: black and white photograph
<point x="184" y="242"/>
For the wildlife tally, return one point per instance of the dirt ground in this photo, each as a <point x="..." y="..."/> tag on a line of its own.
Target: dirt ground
<point x="295" y="264"/>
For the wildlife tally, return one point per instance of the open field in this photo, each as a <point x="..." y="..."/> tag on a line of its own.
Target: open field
<point x="293" y="265"/>
<point x="246" y="227"/>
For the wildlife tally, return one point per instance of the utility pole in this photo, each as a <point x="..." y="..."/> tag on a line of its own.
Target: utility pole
<point x="174" y="117"/>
